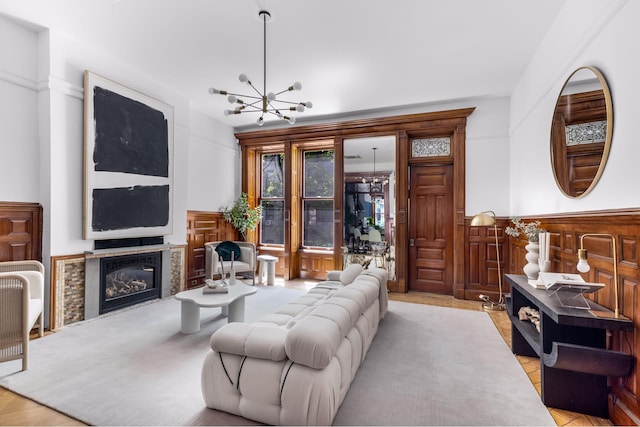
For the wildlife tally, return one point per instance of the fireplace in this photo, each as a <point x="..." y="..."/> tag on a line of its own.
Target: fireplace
<point x="129" y="279"/>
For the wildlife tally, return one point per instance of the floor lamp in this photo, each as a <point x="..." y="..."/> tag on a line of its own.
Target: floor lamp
<point x="487" y="219"/>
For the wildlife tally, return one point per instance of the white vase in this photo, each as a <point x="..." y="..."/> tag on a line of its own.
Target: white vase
<point x="531" y="269"/>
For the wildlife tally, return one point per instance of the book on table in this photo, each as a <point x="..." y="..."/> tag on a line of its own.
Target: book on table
<point x="567" y="282"/>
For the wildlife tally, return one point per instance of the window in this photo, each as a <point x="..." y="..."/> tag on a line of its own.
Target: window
<point x="317" y="199"/>
<point x="272" y="199"/>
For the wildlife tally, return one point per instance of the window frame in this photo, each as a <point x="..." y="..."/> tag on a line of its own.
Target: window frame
<point x="261" y="198"/>
<point x="304" y="198"/>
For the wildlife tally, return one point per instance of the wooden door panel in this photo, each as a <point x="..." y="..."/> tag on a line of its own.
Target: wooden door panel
<point x="431" y="229"/>
<point x="20" y="231"/>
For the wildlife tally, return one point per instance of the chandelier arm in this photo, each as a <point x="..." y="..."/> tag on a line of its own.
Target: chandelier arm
<point x="225" y="93"/>
<point x="255" y="88"/>
<point x="284" y="91"/>
<point x="257" y="98"/>
<point x="286" y="102"/>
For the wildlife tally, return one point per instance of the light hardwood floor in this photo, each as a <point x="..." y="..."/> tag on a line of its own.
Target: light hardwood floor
<point x="18" y="411"/>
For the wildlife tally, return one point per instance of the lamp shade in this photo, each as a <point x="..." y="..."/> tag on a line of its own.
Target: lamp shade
<point x="483" y="219"/>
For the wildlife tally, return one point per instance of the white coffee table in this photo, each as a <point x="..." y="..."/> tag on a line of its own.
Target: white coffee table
<point x="232" y="304"/>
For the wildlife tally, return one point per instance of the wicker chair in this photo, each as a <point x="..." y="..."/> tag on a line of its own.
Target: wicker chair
<point x="21" y="306"/>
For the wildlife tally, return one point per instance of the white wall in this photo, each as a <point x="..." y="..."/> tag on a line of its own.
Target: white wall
<point x="602" y="33"/>
<point x="213" y="164"/>
<point x="19" y="163"/>
<point x="41" y="127"/>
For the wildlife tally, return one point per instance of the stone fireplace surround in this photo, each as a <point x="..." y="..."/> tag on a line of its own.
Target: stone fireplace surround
<point x="75" y="280"/>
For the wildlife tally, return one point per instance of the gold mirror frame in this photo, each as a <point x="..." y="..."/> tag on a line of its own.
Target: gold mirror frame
<point x="575" y="108"/>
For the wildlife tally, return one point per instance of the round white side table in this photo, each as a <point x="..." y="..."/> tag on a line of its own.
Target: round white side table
<point x="269" y="262"/>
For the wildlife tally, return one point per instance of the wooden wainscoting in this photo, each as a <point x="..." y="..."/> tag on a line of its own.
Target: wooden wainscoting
<point x="203" y="227"/>
<point x="20" y="231"/>
<point x="481" y="272"/>
<point x="624" y="225"/>
<point x="315" y="264"/>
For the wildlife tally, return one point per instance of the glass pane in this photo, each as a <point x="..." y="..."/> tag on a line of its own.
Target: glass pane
<point x="431" y="147"/>
<point x="318" y="173"/>
<point x="378" y="212"/>
<point x="272" y="175"/>
<point x="272" y="224"/>
<point x="317" y="229"/>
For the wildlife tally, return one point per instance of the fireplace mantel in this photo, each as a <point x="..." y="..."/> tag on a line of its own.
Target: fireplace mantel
<point x="101" y="253"/>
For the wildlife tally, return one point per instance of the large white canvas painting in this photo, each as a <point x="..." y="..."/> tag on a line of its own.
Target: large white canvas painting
<point x="128" y="162"/>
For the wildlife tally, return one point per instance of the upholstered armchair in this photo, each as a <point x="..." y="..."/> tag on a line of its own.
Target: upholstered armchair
<point x="244" y="266"/>
<point x="21" y="306"/>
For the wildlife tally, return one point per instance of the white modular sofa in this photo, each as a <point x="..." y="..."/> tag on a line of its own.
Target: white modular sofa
<point x="295" y="366"/>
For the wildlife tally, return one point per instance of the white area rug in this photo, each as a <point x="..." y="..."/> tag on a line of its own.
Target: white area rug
<point x="427" y="366"/>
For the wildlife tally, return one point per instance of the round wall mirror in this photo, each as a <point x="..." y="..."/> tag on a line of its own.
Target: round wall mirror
<point x="581" y="132"/>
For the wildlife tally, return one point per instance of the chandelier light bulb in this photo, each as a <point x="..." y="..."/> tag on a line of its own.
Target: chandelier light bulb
<point x="583" y="266"/>
<point x="232" y="99"/>
<point x="297" y="86"/>
<point x="308" y="104"/>
<point x="243" y="78"/>
<point x="291" y="120"/>
<point x="271" y="96"/>
<point x="227" y="112"/>
<point x="299" y="108"/>
<point x="213" y="91"/>
<point x="260" y="121"/>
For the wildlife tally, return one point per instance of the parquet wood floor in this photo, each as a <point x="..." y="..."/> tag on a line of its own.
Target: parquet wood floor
<point x="16" y="410"/>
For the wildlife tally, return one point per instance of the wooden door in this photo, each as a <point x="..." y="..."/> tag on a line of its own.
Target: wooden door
<point x="431" y="229"/>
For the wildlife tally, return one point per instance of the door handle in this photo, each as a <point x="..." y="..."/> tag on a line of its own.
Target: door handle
<point x="411" y="242"/>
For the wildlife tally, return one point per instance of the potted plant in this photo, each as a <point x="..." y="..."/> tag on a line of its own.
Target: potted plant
<point x="242" y="216"/>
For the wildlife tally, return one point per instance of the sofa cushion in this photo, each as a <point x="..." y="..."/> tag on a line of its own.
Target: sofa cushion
<point x="262" y="342"/>
<point x="349" y="274"/>
<point x="226" y="248"/>
<point x="313" y="341"/>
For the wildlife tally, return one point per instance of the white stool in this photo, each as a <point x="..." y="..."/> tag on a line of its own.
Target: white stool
<point x="270" y="263"/>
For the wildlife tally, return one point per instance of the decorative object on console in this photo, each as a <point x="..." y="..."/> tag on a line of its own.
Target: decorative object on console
<point x="483" y="219"/>
<point x="264" y="103"/>
<point x="530" y="314"/>
<point x="531" y="268"/>
<point x="128" y="155"/>
<point x="532" y="231"/>
<point x="544" y="258"/>
<point x="242" y="216"/>
<point x="583" y="267"/>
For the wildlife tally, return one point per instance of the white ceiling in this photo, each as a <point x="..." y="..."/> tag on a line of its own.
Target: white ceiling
<point x="350" y="55"/>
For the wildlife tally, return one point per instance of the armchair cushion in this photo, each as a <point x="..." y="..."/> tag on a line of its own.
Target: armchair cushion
<point x="226" y="249"/>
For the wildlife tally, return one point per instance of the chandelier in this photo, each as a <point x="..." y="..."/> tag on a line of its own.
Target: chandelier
<point x="375" y="181"/>
<point x="263" y="102"/>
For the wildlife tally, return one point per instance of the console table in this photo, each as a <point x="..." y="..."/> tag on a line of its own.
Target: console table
<point x="571" y="345"/>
